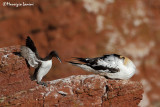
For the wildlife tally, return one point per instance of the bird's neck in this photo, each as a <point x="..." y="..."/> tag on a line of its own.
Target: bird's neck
<point x="48" y="57"/>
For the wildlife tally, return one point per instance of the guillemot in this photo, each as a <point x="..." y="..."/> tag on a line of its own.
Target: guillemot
<point x="41" y="65"/>
<point x="112" y="66"/>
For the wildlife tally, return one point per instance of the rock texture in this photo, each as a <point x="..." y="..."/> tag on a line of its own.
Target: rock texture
<point x="17" y="89"/>
<point x="14" y="74"/>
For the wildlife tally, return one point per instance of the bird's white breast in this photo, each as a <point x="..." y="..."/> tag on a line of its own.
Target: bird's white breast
<point x="44" y="69"/>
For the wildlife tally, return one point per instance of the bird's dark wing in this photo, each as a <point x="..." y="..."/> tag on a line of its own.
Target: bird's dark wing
<point x="101" y="64"/>
<point x="98" y="64"/>
<point x="30" y="44"/>
<point x="104" y="68"/>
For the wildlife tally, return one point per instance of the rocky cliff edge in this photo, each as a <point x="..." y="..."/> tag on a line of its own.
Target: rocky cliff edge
<point x="17" y="89"/>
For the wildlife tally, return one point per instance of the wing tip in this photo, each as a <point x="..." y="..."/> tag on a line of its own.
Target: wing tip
<point x="28" y="40"/>
<point x="30" y="44"/>
<point x="28" y="37"/>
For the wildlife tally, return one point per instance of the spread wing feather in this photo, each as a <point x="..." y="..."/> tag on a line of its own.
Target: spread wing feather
<point x="28" y="54"/>
<point x="30" y="44"/>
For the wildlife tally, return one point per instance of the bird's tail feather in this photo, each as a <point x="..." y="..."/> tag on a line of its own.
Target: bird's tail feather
<point x="73" y="63"/>
<point x="81" y="59"/>
<point x="83" y="66"/>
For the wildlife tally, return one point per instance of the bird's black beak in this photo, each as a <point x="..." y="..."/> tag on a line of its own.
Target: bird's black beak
<point x="58" y="58"/>
<point x="54" y="54"/>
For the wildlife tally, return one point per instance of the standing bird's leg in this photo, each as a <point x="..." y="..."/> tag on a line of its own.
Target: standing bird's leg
<point x="39" y="78"/>
<point x="34" y="77"/>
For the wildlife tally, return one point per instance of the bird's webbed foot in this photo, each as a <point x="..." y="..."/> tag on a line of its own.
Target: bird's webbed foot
<point x="42" y="83"/>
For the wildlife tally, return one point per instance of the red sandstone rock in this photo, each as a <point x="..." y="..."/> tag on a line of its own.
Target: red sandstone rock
<point x="17" y="89"/>
<point x="14" y="74"/>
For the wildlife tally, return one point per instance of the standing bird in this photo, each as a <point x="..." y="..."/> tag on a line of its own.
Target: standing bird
<point x="112" y="66"/>
<point x="41" y="65"/>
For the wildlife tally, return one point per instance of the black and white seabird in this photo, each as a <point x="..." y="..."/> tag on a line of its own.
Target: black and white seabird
<point x="112" y="66"/>
<point x="41" y="65"/>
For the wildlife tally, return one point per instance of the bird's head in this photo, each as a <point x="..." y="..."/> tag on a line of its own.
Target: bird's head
<point x="54" y="54"/>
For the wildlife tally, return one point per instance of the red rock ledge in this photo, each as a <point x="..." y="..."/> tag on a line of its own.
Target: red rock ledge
<point x="17" y="89"/>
